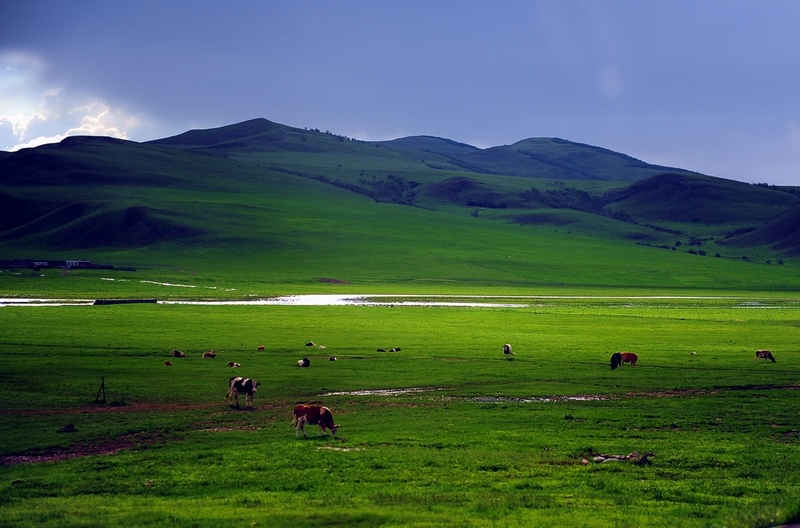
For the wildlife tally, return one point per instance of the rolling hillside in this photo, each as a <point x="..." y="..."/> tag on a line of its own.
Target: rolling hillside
<point x="781" y="233"/>
<point x="285" y="195"/>
<point x="558" y="159"/>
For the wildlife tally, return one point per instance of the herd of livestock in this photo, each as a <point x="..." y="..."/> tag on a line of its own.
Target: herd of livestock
<point x="323" y="417"/>
<point x="247" y="387"/>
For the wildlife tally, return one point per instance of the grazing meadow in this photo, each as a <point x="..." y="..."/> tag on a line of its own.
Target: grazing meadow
<point x="447" y="431"/>
<point x="692" y="273"/>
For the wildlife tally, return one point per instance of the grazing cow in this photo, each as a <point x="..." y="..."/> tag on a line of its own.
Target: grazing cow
<point x="618" y="359"/>
<point x="211" y="354"/>
<point x="177" y="353"/>
<point x="313" y="415"/>
<point x="764" y="354"/>
<point x="239" y="385"/>
<point x="507" y="350"/>
<point x="261" y="347"/>
<point x="629" y="357"/>
<point x="305" y="362"/>
<point x="231" y="364"/>
<point x="167" y="363"/>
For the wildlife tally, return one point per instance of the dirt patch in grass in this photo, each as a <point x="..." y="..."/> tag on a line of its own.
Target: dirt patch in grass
<point x="676" y="393"/>
<point x="99" y="447"/>
<point x="109" y="446"/>
<point x="137" y="407"/>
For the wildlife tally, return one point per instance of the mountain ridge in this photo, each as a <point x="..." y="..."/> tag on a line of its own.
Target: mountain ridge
<point x="60" y="192"/>
<point x="531" y="157"/>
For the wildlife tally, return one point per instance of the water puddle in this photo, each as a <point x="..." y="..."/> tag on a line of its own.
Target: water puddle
<point x="470" y="301"/>
<point x="45" y="302"/>
<point x="477" y="399"/>
<point x="395" y="300"/>
<point x="542" y="399"/>
<point x="385" y="392"/>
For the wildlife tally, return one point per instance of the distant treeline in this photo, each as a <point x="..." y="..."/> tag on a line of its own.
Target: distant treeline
<point x="37" y="264"/>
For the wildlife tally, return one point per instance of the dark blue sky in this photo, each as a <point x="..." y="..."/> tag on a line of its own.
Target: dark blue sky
<point x="704" y="85"/>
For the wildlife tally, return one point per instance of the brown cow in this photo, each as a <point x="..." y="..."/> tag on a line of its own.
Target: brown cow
<point x="619" y="358"/>
<point x="261" y="347"/>
<point x="313" y="415"/>
<point x="177" y="353"/>
<point x="629" y="357"/>
<point x="167" y="363"/>
<point x="764" y="354"/>
<point x="211" y="354"/>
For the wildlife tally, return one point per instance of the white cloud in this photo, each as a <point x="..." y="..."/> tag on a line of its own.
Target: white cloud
<point x="98" y="119"/>
<point x="33" y="112"/>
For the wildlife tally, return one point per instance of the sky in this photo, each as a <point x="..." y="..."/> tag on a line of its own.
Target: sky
<point x="709" y="86"/>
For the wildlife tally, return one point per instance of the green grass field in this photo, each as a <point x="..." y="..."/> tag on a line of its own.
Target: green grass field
<point x="487" y="442"/>
<point x="445" y="432"/>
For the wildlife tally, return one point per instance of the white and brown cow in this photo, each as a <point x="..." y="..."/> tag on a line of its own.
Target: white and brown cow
<point x="313" y="415"/>
<point x="239" y="385"/>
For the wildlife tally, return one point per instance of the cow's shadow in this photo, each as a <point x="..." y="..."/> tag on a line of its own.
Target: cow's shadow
<point x="243" y="409"/>
<point x="322" y="438"/>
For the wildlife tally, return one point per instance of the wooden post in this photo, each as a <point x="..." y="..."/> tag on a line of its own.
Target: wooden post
<point x="102" y="390"/>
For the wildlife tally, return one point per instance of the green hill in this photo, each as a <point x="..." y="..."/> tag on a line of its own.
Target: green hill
<point x="696" y="199"/>
<point x="295" y="205"/>
<point x="559" y="159"/>
<point x="446" y="147"/>
<point x="781" y="233"/>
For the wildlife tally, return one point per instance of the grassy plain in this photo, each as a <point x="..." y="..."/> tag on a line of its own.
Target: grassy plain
<point x="488" y="442"/>
<point x="483" y="442"/>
